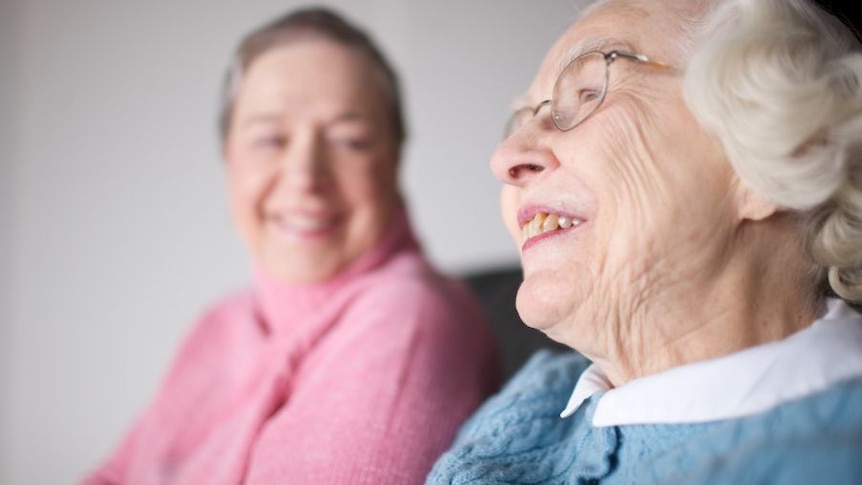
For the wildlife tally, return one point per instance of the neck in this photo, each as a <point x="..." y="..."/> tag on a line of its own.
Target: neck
<point x="754" y="293"/>
<point x="285" y="305"/>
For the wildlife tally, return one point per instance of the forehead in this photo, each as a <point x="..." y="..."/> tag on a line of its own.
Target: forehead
<point x="310" y="62"/>
<point x="643" y="26"/>
<point x="310" y="77"/>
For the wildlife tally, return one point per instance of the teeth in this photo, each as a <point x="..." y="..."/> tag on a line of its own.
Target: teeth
<point x="535" y="226"/>
<point x="306" y="223"/>
<point x="550" y="222"/>
<point x="544" y="222"/>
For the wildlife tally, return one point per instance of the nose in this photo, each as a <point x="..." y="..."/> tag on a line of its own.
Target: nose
<point x="304" y="165"/>
<point x="521" y="158"/>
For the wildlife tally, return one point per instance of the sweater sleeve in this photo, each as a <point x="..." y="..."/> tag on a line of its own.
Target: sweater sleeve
<point x="514" y="436"/>
<point x="382" y="395"/>
<point x="207" y="346"/>
<point x="112" y="471"/>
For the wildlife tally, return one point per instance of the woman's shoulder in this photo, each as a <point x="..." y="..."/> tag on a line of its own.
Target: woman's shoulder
<point x="235" y="301"/>
<point x="423" y="315"/>
<point x="828" y="416"/>
<point x="547" y="371"/>
<point x="411" y="271"/>
<point x="219" y="321"/>
<point x="815" y="439"/>
<point x="837" y="408"/>
<point x="230" y="307"/>
<point x="539" y="390"/>
<point x="833" y="412"/>
<point x="518" y="430"/>
<point x="410" y="289"/>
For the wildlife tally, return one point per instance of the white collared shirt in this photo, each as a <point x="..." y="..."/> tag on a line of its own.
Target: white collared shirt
<point x="744" y="383"/>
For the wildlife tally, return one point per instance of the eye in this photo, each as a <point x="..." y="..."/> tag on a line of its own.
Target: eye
<point x="269" y="142"/>
<point x="354" y="144"/>
<point x="589" y="95"/>
<point x="350" y="138"/>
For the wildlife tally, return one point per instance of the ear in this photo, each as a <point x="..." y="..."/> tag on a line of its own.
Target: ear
<point x="752" y="205"/>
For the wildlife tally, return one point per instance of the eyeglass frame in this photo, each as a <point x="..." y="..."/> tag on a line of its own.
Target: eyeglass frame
<point x="609" y="58"/>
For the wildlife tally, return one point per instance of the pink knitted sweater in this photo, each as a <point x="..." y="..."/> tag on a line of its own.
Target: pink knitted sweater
<point x="361" y="380"/>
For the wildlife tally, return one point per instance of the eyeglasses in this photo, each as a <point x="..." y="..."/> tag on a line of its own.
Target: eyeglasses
<point x="579" y="91"/>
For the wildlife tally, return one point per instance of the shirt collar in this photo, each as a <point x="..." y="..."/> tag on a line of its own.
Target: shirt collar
<point x="744" y="383"/>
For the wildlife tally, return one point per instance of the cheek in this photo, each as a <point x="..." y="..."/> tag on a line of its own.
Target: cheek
<point x="247" y="186"/>
<point x="666" y="207"/>
<point x="509" y="210"/>
<point x="638" y="177"/>
<point x="371" y="186"/>
<point x="383" y="177"/>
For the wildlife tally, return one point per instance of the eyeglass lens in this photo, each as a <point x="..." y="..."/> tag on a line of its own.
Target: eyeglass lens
<point x="578" y="92"/>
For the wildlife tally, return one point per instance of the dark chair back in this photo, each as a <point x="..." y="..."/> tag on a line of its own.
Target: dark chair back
<point x="496" y="288"/>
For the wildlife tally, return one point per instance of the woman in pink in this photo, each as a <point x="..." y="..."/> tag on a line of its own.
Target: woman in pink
<point x="351" y="360"/>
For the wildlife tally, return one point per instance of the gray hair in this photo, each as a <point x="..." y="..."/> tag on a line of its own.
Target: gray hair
<point x="306" y="23"/>
<point x="779" y="82"/>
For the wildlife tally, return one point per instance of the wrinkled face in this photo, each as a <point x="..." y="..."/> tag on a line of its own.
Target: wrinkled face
<point x="311" y="160"/>
<point x="626" y="205"/>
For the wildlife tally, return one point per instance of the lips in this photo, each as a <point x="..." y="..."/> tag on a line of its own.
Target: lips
<point x="304" y="224"/>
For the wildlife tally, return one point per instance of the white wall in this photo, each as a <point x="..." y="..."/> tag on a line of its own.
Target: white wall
<point x="119" y="227"/>
<point x="7" y="108"/>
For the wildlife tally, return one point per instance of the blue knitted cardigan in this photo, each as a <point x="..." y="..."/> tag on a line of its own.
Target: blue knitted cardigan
<point x="518" y="437"/>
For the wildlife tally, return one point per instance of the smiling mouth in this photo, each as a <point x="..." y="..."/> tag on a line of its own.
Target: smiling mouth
<point x="544" y="223"/>
<point x="304" y="225"/>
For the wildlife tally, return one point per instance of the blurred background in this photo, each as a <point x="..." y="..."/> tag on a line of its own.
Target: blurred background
<point x="114" y="228"/>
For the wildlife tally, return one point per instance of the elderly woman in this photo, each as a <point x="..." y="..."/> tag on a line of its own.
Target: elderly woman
<point x="351" y="360"/>
<point x="684" y="180"/>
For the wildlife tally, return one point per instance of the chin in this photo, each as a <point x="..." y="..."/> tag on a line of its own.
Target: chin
<point x="299" y="271"/>
<point x="541" y="303"/>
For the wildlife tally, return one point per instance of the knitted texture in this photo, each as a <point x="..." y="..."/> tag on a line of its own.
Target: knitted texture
<point x="517" y="437"/>
<point x="363" y="379"/>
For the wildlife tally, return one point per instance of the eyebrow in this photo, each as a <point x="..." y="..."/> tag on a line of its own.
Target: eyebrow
<point x="266" y="118"/>
<point x="352" y="116"/>
<point x="601" y="44"/>
<point x="275" y="118"/>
